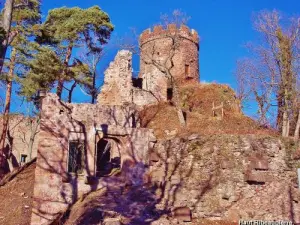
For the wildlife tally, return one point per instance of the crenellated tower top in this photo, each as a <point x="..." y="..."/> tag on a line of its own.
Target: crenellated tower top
<point x="172" y="29"/>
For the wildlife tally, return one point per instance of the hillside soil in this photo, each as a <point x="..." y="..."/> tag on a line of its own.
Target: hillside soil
<point x="197" y="101"/>
<point x="16" y="196"/>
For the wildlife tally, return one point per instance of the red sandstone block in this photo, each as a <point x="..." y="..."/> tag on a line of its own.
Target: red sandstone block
<point x="259" y="162"/>
<point x="183" y="214"/>
<point x="172" y="27"/>
<point x="185" y="28"/>
<point x="145" y="34"/>
<point x="256" y="176"/>
<point x="157" y="29"/>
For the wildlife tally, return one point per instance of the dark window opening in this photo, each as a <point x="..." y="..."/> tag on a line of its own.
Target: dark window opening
<point x="169" y="94"/>
<point x="76" y="157"/>
<point x="137" y="82"/>
<point x="187" y="70"/>
<point x="103" y="164"/>
<point x="184" y="116"/>
<point x="256" y="182"/>
<point x="158" y="53"/>
<point x="23" y="158"/>
<point x="134" y="122"/>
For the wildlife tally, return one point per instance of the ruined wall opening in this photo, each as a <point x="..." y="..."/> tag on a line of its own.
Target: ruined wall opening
<point x="76" y="157"/>
<point x="169" y="94"/>
<point x="137" y="82"/>
<point x="107" y="157"/>
<point x="23" y="158"/>
<point x="187" y="72"/>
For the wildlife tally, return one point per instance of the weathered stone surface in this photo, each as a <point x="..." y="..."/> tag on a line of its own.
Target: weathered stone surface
<point x="255" y="176"/>
<point x="183" y="214"/>
<point x="258" y="162"/>
<point x="154" y="157"/>
<point x="112" y="221"/>
<point x="156" y="45"/>
<point x="86" y="123"/>
<point x="21" y="129"/>
<point x="152" y="85"/>
<point x="193" y="137"/>
<point x="214" y="184"/>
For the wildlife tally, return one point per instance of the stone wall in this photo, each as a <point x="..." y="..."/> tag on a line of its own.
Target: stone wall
<point x="21" y="130"/>
<point x="55" y="189"/>
<point x="161" y="46"/>
<point x="173" y="49"/>
<point x="117" y="86"/>
<point x="227" y="177"/>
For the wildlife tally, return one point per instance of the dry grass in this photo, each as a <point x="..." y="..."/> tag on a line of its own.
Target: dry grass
<point x="197" y="101"/>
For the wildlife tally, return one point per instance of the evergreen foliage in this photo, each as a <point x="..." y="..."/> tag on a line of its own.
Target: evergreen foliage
<point x="64" y="30"/>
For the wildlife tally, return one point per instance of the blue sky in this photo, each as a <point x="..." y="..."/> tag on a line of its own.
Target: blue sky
<point x="224" y="26"/>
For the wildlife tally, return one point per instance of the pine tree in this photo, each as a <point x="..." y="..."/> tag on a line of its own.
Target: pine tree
<point x="68" y="28"/>
<point x="22" y="22"/>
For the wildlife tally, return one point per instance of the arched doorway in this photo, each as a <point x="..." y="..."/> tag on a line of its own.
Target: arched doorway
<point x="107" y="157"/>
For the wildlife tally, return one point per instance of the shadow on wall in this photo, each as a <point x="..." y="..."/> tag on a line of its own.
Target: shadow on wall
<point x="52" y="170"/>
<point x="139" y="195"/>
<point x="63" y="187"/>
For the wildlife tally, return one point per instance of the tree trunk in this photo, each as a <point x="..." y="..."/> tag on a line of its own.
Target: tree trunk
<point x="297" y="129"/>
<point x="6" y="24"/>
<point x="32" y="136"/>
<point x="71" y="91"/>
<point x="60" y="84"/>
<point x="7" y="107"/>
<point x="177" y="105"/>
<point x="285" y="122"/>
<point x="93" y="88"/>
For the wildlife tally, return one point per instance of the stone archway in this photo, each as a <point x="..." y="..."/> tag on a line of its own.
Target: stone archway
<point x="107" y="156"/>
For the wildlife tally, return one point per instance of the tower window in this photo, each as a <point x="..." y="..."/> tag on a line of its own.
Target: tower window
<point x="169" y="94"/>
<point x="76" y="157"/>
<point x="23" y="158"/>
<point x="187" y="70"/>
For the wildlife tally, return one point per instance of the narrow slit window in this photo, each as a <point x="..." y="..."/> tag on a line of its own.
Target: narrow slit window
<point x="76" y="157"/>
<point x="169" y="94"/>
<point x="187" y="70"/>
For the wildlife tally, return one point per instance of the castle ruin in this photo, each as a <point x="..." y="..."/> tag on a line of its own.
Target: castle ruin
<point x="80" y="143"/>
<point x="173" y="49"/>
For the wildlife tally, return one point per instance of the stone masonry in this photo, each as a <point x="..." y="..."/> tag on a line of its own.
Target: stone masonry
<point x="112" y="123"/>
<point x="227" y="177"/>
<point x="22" y="138"/>
<point x="55" y="189"/>
<point x="173" y="49"/>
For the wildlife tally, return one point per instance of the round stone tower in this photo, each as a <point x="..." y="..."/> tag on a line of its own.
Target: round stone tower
<point x="173" y="48"/>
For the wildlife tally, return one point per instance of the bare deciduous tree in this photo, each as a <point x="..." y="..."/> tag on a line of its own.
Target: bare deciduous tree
<point x="92" y="59"/>
<point x="272" y="72"/>
<point x="164" y="64"/>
